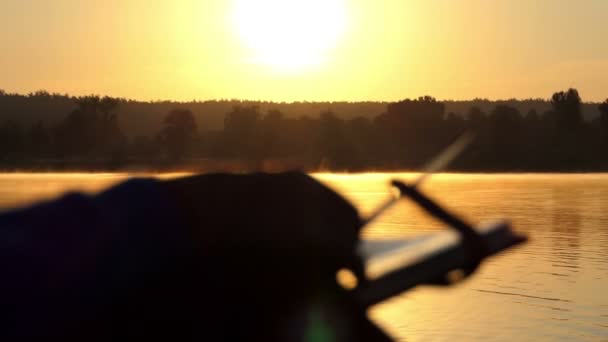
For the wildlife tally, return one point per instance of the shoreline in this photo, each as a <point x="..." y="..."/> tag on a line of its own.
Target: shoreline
<point x="198" y="170"/>
<point x="221" y="165"/>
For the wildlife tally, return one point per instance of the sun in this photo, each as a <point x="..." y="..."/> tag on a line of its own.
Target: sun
<point x="289" y="35"/>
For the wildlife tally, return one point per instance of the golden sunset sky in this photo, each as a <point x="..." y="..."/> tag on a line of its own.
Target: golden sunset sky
<point x="287" y="50"/>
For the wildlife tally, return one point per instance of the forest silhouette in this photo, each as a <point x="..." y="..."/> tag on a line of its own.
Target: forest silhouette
<point x="43" y="131"/>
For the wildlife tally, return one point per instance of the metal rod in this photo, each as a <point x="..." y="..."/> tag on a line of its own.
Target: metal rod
<point x="435" y="165"/>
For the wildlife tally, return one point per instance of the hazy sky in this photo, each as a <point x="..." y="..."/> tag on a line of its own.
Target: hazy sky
<point x="382" y="49"/>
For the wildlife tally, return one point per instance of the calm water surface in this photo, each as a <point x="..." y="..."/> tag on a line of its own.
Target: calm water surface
<point x="554" y="288"/>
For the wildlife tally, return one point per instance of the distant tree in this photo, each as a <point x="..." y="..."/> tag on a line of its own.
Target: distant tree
<point x="113" y="142"/>
<point x="12" y="139"/>
<point x="144" y="148"/>
<point x="90" y="130"/>
<point x="504" y="114"/>
<point x="334" y="150"/>
<point x="243" y="120"/>
<point x="567" y="110"/>
<point x="178" y="133"/>
<point x="361" y="135"/>
<point x="570" y="141"/>
<point x="453" y="125"/>
<point x="40" y="93"/>
<point x="76" y="135"/>
<point x="532" y="115"/>
<point x="107" y="105"/>
<point x="240" y="129"/>
<point x="88" y="104"/>
<point x="346" y="136"/>
<point x="603" y="108"/>
<point x="506" y="124"/>
<point x="475" y="114"/>
<point x="39" y="140"/>
<point x="477" y="122"/>
<point x="534" y="127"/>
<point x="423" y="111"/>
<point x="271" y="131"/>
<point x="274" y="116"/>
<point x="299" y="135"/>
<point x="412" y="131"/>
<point x="454" y="119"/>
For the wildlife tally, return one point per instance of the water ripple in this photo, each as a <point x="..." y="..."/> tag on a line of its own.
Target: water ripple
<point x="524" y="295"/>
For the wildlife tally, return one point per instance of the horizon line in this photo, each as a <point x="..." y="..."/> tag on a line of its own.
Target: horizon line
<point x="131" y="99"/>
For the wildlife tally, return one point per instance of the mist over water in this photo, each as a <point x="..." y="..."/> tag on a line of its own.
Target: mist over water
<point x="551" y="289"/>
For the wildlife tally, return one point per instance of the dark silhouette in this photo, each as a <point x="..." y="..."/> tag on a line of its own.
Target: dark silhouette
<point x="413" y="131"/>
<point x="212" y="257"/>
<point x="333" y="148"/>
<point x="139" y="118"/>
<point x="240" y="129"/>
<point x="567" y="110"/>
<point x="603" y="121"/>
<point x="271" y="134"/>
<point x="90" y="133"/>
<point x="12" y="142"/>
<point x="39" y="140"/>
<point x="562" y="134"/>
<point x="603" y="108"/>
<point x="179" y="132"/>
<point x="505" y="129"/>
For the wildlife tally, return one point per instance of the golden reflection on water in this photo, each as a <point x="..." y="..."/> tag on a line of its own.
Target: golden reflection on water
<point x="19" y="189"/>
<point x="553" y="288"/>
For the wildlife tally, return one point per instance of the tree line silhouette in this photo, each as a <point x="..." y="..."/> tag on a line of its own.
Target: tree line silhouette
<point x="404" y="135"/>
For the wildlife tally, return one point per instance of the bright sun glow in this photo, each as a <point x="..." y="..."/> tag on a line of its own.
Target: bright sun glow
<point x="290" y="35"/>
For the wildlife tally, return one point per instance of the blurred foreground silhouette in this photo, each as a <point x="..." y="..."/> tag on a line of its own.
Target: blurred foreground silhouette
<point x="211" y="257"/>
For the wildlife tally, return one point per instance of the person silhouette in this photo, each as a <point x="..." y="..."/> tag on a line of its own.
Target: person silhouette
<point x="212" y="257"/>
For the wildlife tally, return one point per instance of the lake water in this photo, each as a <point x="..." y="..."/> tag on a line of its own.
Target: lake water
<point x="553" y="288"/>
